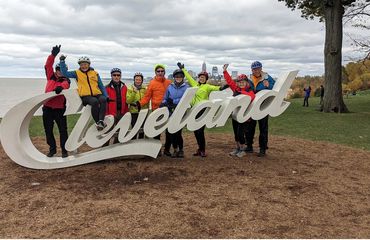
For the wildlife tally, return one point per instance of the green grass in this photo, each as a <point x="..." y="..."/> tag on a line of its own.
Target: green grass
<point x="352" y="129"/>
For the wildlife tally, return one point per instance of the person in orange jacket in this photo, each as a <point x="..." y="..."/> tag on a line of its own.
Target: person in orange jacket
<point x="53" y="110"/>
<point x="155" y="93"/>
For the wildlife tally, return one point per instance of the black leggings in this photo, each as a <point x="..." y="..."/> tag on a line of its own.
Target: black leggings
<point x="50" y="116"/>
<point x="240" y="130"/>
<point x="201" y="140"/>
<point x="98" y="105"/>
<point x="134" y="117"/>
<point x="263" y="126"/>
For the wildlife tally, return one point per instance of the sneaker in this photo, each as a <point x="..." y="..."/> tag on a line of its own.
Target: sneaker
<point x="64" y="154"/>
<point x="197" y="153"/>
<point x="241" y="153"/>
<point x="100" y="125"/>
<point x="262" y="153"/>
<point x="249" y="149"/>
<point x="167" y="153"/>
<point x="235" y="152"/>
<point x="203" y="153"/>
<point x="180" y="154"/>
<point x="174" y="154"/>
<point x="51" y="153"/>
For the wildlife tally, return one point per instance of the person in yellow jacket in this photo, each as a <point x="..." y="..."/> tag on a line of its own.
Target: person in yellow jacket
<point x="90" y="88"/>
<point x="134" y="94"/>
<point x="204" y="89"/>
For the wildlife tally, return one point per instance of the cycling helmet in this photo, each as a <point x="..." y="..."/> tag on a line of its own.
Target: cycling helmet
<point x="256" y="64"/>
<point x="242" y="77"/>
<point x="115" y="70"/>
<point x="204" y="74"/>
<point x="178" y="72"/>
<point x="84" y="59"/>
<point x="159" y="66"/>
<point x="139" y="74"/>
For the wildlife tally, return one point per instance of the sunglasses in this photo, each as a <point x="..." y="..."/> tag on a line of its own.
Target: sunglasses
<point x="159" y="71"/>
<point x="116" y="75"/>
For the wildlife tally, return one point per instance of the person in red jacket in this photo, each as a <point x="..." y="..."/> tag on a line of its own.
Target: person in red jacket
<point x="243" y="86"/>
<point x="116" y="91"/>
<point x="54" y="109"/>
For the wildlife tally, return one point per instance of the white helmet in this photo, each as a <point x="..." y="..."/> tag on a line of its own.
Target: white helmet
<point x="84" y="59"/>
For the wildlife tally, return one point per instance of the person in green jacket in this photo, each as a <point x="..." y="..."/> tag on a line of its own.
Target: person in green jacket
<point x="204" y="89"/>
<point x="134" y="94"/>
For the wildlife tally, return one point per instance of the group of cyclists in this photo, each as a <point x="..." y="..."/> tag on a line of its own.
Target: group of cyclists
<point x="117" y="99"/>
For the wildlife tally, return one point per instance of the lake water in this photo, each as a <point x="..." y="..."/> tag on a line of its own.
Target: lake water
<point x="16" y="90"/>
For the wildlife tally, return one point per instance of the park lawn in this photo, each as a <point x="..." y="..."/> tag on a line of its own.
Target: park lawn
<point x="352" y="129"/>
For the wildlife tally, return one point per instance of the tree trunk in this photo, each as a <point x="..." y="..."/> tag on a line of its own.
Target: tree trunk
<point x="333" y="99"/>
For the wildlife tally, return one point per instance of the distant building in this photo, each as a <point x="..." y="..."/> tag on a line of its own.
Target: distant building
<point x="192" y="73"/>
<point x="214" y="73"/>
<point x="204" y="67"/>
<point x="234" y="74"/>
<point x="170" y="76"/>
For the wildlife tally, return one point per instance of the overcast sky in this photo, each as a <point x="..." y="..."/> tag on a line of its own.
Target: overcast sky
<point x="134" y="35"/>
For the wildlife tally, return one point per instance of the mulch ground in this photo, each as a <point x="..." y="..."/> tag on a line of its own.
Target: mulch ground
<point x="301" y="189"/>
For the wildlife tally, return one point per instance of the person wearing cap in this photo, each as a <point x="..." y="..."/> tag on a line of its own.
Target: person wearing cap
<point x="172" y="97"/>
<point x="261" y="81"/>
<point x="90" y="88"/>
<point x="242" y="86"/>
<point x="134" y="94"/>
<point x="54" y="109"/>
<point x="116" y="91"/>
<point x="204" y="89"/>
<point x="155" y="92"/>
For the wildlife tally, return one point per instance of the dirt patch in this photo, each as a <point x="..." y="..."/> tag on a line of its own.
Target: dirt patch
<point x="301" y="189"/>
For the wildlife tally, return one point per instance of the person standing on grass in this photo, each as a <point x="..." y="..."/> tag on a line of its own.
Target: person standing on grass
<point x="116" y="91"/>
<point x="155" y="93"/>
<point x="242" y="86"/>
<point x="261" y="81"/>
<point x="54" y="109"/>
<point x="134" y="94"/>
<point x="307" y="93"/>
<point x="204" y="89"/>
<point x="321" y="94"/>
<point x="90" y="88"/>
<point x="172" y="97"/>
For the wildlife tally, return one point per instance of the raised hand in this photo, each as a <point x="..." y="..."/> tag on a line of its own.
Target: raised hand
<point x="55" y="50"/>
<point x="226" y="65"/>
<point x="180" y="65"/>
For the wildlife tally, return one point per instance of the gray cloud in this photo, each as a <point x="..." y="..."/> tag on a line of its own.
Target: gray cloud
<point x="135" y="35"/>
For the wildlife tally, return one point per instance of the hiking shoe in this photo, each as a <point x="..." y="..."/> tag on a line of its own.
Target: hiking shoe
<point x="64" y="154"/>
<point x="51" y="153"/>
<point x="241" y="153"/>
<point x="249" y="149"/>
<point x="197" y="153"/>
<point x="100" y="125"/>
<point x="174" y="154"/>
<point x="167" y="153"/>
<point x="262" y="153"/>
<point x="235" y="152"/>
<point x="180" y="154"/>
<point x="202" y="154"/>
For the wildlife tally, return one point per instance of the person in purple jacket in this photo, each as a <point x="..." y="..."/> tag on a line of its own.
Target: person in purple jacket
<point x="172" y="97"/>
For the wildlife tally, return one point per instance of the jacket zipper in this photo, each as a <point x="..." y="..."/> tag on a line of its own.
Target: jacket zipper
<point x="88" y="82"/>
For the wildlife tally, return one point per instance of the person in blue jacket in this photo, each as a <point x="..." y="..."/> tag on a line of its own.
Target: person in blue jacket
<point x="172" y="97"/>
<point x="90" y="88"/>
<point x="261" y="81"/>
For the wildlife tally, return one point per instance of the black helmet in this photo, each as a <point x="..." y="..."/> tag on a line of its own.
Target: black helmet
<point x="177" y="72"/>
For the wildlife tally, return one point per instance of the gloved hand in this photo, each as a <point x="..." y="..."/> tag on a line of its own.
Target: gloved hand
<point x="110" y="100"/>
<point x="170" y="101"/>
<point x="138" y="105"/>
<point x="55" y="50"/>
<point x="58" y="89"/>
<point x="225" y="67"/>
<point x="62" y="58"/>
<point x="180" y="65"/>
<point x="224" y="87"/>
<point x="162" y="105"/>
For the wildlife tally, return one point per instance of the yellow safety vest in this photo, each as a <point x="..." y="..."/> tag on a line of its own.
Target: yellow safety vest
<point x="87" y="83"/>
